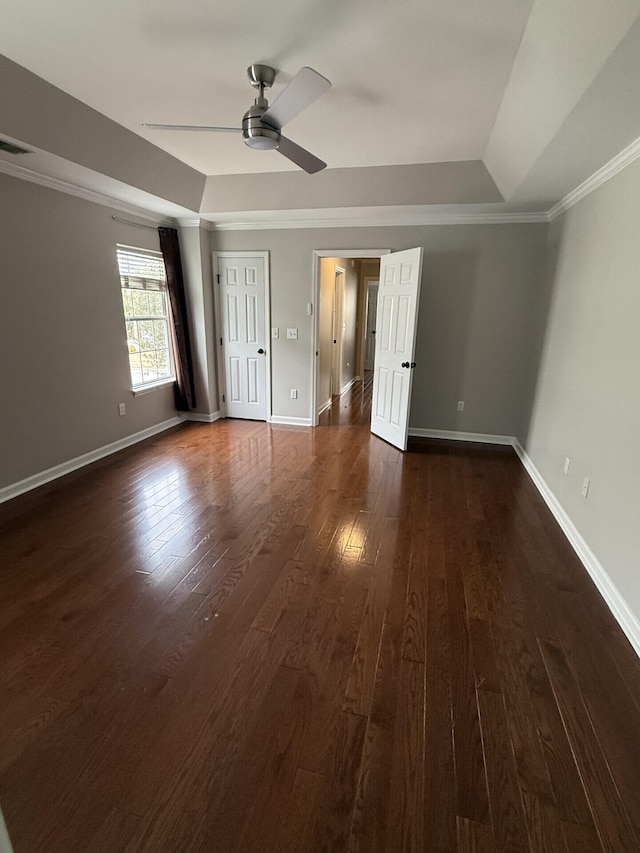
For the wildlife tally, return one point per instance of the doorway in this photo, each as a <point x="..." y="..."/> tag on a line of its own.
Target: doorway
<point x="339" y="328"/>
<point x="340" y="296"/>
<point x="241" y="295"/>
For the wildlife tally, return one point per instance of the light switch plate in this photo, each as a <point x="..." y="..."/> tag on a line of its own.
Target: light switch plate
<point x="292" y="334"/>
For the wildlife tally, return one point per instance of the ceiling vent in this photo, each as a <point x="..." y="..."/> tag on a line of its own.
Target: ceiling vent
<point x="10" y="148"/>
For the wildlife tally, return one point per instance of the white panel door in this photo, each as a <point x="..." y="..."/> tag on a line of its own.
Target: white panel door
<point x="398" y="297"/>
<point x="370" y="332"/>
<point x="241" y="283"/>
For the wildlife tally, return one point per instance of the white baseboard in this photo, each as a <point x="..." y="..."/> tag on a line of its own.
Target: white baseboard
<point x="279" y="419"/>
<point x="26" y="485"/>
<point x="326" y="405"/>
<point x="349" y="384"/>
<point x="452" y="435"/>
<point x="623" y="614"/>
<point x="200" y="418"/>
<point x="627" y="620"/>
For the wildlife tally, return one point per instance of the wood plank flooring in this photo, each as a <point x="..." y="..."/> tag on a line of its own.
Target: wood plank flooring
<point x="243" y="637"/>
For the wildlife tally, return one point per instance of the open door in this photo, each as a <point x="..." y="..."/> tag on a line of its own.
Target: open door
<point x="397" y="314"/>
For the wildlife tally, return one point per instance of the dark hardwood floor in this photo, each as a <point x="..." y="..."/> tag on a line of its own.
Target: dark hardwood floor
<point x="242" y="637"/>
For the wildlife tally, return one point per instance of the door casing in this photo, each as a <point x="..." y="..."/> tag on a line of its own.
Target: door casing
<point x="338" y="332"/>
<point x="222" y="390"/>
<point x="318" y="254"/>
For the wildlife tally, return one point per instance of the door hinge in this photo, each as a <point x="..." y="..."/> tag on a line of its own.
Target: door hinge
<point x="224" y="400"/>
<point x="220" y="341"/>
<point x="218" y="277"/>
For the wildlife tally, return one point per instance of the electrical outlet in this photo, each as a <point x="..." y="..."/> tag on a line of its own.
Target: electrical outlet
<point x="122" y="409"/>
<point x="275" y="332"/>
<point x="585" y="487"/>
<point x="292" y="334"/>
<point x="461" y="405"/>
<point x="294" y="393"/>
<point x="567" y="463"/>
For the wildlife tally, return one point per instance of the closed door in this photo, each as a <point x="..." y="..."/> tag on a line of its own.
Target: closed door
<point x="338" y="333"/>
<point x="398" y="295"/>
<point x="370" y="330"/>
<point x="242" y="305"/>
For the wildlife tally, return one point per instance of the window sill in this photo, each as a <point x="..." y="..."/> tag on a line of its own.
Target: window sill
<point x="147" y="389"/>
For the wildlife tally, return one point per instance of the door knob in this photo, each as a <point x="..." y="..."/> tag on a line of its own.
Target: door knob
<point x="413" y="364"/>
<point x="405" y="364"/>
<point x="260" y="351"/>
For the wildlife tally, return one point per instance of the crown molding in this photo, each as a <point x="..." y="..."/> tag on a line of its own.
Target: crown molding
<point x="191" y="222"/>
<point x="609" y="170"/>
<point x="380" y="220"/>
<point x="15" y="171"/>
<point x="376" y="218"/>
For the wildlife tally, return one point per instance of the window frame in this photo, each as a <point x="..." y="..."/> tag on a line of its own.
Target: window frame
<point x="143" y="270"/>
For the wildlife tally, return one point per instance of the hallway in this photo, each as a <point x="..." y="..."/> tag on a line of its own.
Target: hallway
<point x="245" y="637"/>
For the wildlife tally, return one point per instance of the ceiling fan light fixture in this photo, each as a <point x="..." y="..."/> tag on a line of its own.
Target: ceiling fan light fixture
<point x="261" y="124"/>
<point x="256" y="133"/>
<point x="263" y="139"/>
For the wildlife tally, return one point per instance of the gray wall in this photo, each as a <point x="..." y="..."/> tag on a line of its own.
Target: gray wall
<point x="63" y="365"/>
<point x="481" y="321"/>
<point x="587" y="401"/>
<point x="63" y="355"/>
<point x="535" y="327"/>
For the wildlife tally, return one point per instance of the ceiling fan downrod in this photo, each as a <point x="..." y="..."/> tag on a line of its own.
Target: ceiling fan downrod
<point x="255" y="132"/>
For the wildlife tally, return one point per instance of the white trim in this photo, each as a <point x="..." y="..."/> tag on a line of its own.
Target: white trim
<point x="23" y="174"/>
<point x="281" y="419"/>
<point x="318" y="254"/>
<point x="325" y="406"/>
<point x="356" y="254"/>
<point x="201" y="418"/>
<point x="36" y="480"/>
<point x="454" y="435"/>
<point x="609" y="170"/>
<point x="380" y="219"/>
<point x="265" y="255"/>
<point x="627" y="620"/>
<point x="375" y="218"/>
<point x="349" y="384"/>
<point x="141" y="390"/>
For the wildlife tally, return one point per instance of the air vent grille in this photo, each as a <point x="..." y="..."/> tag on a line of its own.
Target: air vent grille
<point x="10" y="148"/>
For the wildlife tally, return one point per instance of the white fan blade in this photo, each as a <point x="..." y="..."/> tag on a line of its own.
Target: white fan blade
<point x="300" y="156"/>
<point x="194" y="127"/>
<point x="305" y="88"/>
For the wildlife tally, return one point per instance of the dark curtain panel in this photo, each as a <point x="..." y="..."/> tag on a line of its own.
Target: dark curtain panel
<point x="184" y="388"/>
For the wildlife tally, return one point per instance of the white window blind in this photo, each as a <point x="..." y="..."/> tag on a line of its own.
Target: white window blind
<point x="141" y="270"/>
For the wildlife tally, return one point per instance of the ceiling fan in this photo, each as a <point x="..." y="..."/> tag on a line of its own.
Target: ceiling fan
<point x="262" y="124"/>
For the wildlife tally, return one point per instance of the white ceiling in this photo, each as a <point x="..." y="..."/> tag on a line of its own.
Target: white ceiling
<point x="414" y="81"/>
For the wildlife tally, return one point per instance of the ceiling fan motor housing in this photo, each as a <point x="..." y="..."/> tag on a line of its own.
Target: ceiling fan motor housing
<point x="257" y="133"/>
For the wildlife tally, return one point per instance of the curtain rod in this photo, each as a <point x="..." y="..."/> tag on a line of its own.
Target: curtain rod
<point x="131" y="222"/>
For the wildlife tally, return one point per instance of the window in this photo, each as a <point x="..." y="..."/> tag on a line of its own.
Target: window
<point x="146" y="313"/>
